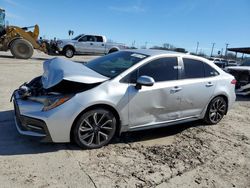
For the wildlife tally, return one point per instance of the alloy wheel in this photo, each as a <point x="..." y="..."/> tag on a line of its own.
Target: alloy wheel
<point x="217" y="110"/>
<point x="96" y="129"/>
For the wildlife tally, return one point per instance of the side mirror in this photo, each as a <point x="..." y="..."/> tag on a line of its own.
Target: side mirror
<point x="144" y="81"/>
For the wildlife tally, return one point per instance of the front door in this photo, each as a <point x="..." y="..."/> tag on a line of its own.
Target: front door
<point x="158" y="103"/>
<point x="86" y="44"/>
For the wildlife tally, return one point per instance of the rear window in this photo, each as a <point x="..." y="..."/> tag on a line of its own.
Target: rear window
<point x="198" y="69"/>
<point x="99" y="39"/>
<point x="193" y="68"/>
<point x="210" y="71"/>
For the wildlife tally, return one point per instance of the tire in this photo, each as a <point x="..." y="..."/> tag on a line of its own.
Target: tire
<point x="21" y="49"/>
<point x="69" y="52"/>
<point x="95" y="128"/>
<point x="216" y="109"/>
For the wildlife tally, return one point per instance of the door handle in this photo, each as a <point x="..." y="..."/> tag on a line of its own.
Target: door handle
<point x="102" y="44"/>
<point x="91" y="43"/>
<point x="209" y="84"/>
<point x="175" y="89"/>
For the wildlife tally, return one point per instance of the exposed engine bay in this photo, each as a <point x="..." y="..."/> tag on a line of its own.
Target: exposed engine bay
<point x="35" y="88"/>
<point x="60" y="78"/>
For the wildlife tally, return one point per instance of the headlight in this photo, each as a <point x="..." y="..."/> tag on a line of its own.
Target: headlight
<point x="53" y="102"/>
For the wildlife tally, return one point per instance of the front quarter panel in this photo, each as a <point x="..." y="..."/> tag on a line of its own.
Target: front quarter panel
<point x="112" y="93"/>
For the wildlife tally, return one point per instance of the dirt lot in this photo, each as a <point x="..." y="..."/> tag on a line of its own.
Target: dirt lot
<point x="186" y="155"/>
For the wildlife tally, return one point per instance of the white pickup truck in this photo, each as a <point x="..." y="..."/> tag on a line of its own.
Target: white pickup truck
<point x="87" y="44"/>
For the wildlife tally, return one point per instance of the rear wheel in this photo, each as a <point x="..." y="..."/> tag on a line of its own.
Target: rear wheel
<point x="21" y="49"/>
<point x="216" y="110"/>
<point x="69" y="52"/>
<point x="95" y="128"/>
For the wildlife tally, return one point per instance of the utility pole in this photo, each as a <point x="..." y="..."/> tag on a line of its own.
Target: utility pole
<point x="212" y="49"/>
<point x="197" y="48"/>
<point x="226" y="50"/>
<point x="133" y="44"/>
<point x="146" y="44"/>
<point x="221" y="52"/>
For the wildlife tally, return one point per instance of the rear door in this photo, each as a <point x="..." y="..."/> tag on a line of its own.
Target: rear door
<point x="198" y="81"/>
<point x="99" y="45"/>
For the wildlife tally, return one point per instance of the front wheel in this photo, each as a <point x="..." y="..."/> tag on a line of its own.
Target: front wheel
<point x="95" y="128"/>
<point x="216" y="110"/>
<point x="21" y="49"/>
<point x="69" y="52"/>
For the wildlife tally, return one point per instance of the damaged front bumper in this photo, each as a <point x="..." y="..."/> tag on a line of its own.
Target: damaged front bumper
<point x="48" y="126"/>
<point x="30" y="126"/>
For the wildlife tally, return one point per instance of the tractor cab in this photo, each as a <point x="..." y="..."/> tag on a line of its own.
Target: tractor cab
<point x="2" y="21"/>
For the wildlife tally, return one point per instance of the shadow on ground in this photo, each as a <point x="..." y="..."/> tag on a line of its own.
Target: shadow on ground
<point x="12" y="143"/>
<point x="7" y="56"/>
<point x="35" y="58"/>
<point x="242" y="98"/>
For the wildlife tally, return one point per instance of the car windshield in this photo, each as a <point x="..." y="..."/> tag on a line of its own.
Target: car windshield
<point x="246" y="63"/>
<point x="114" y="64"/>
<point x="77" y="37"/>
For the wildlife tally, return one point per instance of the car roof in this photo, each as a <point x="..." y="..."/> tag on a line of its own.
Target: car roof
<point x="152" y="52"/>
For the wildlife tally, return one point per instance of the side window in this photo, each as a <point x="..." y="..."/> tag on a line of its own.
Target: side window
<point x="210" y="71"/>
<point x="83" y="39"/>
<point x="131" y="78"/>
<point x="99" y="39"/>
<point x="193" y="68"/>
<point x="91" y="39"/>
<point x="163" y="69"/>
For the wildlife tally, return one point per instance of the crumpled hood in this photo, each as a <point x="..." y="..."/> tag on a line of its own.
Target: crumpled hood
<point x="59" y="69"/>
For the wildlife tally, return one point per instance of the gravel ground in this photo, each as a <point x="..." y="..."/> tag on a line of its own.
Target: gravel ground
<point x="185" y="155"/>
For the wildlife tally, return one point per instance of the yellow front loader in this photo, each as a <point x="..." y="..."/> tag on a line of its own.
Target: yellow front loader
<point x="19" y="41"/>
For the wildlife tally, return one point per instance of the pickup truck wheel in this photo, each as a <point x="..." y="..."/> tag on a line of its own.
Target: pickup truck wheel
<point x="21" y="49"/>
<point x="69" y="52"/>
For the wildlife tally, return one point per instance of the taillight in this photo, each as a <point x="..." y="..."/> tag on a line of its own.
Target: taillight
<point x="234" y="81"/>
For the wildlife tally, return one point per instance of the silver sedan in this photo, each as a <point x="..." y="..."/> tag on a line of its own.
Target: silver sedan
<point x="123" y="91"/>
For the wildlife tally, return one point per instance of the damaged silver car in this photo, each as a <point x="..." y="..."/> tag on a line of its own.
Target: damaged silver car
<point x="242" y="75"/>
<point x="123" y="91"/>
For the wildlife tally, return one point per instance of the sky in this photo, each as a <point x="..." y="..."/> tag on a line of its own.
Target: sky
<point x="182" y="23"/>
